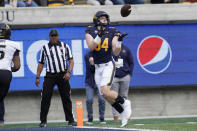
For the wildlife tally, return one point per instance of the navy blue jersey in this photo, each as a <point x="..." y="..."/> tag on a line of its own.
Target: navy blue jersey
<point x="103" y="52"/>
<point x="90" y="70"/>
<point x="127" y="67"/>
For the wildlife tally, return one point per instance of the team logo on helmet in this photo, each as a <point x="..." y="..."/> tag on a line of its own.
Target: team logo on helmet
<point x="94" y="17"/>
<point x="154" y="54"/>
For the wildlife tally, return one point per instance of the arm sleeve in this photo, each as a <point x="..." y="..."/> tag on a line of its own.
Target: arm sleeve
<point x="88" y="66"/>
<point x="92" y="67"/>
<point x="42" y="56"/>
<point x="88" y="30"/>
<point x="17" y="46"/>
<point x="68" y="52"/>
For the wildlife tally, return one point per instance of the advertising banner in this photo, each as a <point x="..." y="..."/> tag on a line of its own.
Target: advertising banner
<point x="164" y="55"/>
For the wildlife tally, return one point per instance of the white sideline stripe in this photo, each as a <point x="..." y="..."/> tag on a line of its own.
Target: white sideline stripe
<point x="191" y="122"/>
<point x="147" y="117"/>
<point x="150" y="117"/>
<point x="129" y="129"/>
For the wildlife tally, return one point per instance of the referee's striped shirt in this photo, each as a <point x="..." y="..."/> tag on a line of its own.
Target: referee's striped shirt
<point x="55" y="57"/>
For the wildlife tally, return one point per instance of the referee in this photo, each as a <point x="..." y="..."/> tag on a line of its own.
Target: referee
<point x="55" y="54"/>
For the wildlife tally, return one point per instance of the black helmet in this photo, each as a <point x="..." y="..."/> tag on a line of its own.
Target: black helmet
<point x="5" y="31"/>
<point x="98" y="15"/>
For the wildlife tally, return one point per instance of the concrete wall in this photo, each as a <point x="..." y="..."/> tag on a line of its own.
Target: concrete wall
<point x="168" y="101"/>
<point x="82" y="15"/>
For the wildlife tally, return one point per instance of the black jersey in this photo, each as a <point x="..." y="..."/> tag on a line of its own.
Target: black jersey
<point x="103" y="52"/>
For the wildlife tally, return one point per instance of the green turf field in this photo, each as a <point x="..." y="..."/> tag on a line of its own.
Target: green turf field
<point x="172" y="124"/>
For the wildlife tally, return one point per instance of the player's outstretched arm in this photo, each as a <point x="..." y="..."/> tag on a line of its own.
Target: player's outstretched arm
<point x="117" y="43"/>
<point x="91" y="42"/>
<point x="115" y="47"/>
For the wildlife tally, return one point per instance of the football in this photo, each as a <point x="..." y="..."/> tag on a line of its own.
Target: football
<point x="125" y="10"/>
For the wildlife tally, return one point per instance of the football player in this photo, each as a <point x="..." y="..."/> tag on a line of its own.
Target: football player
<point x="102" y="41"/>
<point x="9" y="59"/>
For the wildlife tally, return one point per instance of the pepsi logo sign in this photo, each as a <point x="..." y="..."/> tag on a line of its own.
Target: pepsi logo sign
<point x="154" y="54"/>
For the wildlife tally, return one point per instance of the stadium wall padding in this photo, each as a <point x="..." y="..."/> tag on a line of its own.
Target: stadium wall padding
<point x="177" y="67"/>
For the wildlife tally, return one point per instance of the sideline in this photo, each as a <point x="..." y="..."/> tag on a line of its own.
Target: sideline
<point x="148" y="117"/>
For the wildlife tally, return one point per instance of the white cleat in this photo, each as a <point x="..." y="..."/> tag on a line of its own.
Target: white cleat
<point x="124" y="122"/>
<point x="126" y="114"/>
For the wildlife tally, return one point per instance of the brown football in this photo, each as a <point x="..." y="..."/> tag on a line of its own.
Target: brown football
<point x="125" y="10"/>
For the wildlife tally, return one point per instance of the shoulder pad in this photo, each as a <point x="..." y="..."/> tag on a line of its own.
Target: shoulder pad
<point x="87" y="30"/>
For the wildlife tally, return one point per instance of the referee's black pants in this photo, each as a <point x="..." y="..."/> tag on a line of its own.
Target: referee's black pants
<point x="5" y="79"/>
<point x="50" y="80"/>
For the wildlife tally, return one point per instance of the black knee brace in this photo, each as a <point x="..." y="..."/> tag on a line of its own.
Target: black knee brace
<point x="120" y="99"/>
<point x="118" y="107"/>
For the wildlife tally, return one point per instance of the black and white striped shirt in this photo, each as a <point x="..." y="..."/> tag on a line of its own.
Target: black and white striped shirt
<point x="55" y="57"/>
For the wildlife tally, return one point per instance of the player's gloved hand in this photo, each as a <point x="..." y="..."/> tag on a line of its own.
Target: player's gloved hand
<point x="120" y="39"/>
<point x="121" y="36"/>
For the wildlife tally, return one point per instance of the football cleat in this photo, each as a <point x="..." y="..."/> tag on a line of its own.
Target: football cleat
<point x="126" y="114"/>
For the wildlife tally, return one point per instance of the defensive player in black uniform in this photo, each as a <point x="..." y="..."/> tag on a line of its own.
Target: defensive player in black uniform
<point x="104" y="40"/>
<point x="9" y="60"/>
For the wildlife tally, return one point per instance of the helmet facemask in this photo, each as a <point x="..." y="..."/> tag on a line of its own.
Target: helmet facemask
<point x="5" y="32"/>
<point x="101" y="23"/>
<point x="97" y="16"/>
